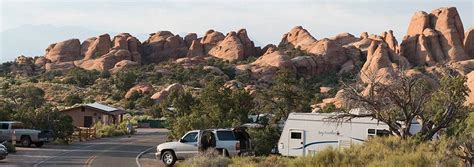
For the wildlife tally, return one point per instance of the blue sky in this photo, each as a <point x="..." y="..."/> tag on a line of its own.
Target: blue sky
<point x="265" y="21"/>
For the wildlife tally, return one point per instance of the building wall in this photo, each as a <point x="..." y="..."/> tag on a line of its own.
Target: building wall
<point x="78" y="115"/>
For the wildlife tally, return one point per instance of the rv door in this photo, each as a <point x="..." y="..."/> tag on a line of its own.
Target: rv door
<point x="296" y="142"/>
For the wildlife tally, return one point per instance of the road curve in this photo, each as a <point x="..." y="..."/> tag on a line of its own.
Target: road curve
<point x="115" y="152"/>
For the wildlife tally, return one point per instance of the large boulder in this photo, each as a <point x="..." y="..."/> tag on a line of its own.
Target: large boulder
<point x="41" y="61"/>
<point x="233" y="84"/>
<point x="196" y="49"/>
<point x="330" y="55"/>
<point x="164" y="45"/>
<point x="141" y="88"/>
<point x="64" y="51"/>
<point x="163" y="94"/>
<point x="305" y="65"/>
<point x="381" y="61"/>
<point x="249" y="46"/>
<point x="211" y="39"/>
<point x="266" y="66"/>
<point x="235" y="46"/>
<point x="86" y="44"/>
<point x="390" y="40"/>
<point x="23" y="60"/>
<point x="298" y="37"/>
<point x="470" y="85"/>
<point x="124" y="64"/>
<point x="100" y="46"/>
<point x="344" y="39"/>
<point x="469" y="43"/>
<point x="61" y="66"/>
<point x="189" y="38"/>
<point x="463" y="67"/>
<point x="229" y="49"/>
<point x="434" y="38"/>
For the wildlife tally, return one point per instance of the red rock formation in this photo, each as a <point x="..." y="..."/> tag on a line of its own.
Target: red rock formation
<point x="298" y="37"/>
<point x="124" y="64"/>
<point x="380" y="62"/>
<point x="235" y="46"/>
<point x="469" y="43"/>
<point x="163" y="94"/>
<point x="64" y="51"/>
<point x="141" y="88"/>
<point x="164" y="45"/>
<point x="190" y="38"/>
<point x="229" y="49"/>
<point x="305" y="65"/>
<point x="211" y="39"/>
<point x="98" y="47"/>
<point x="249" y="46"/>
<point x="434" y="38"/>
<point x="266" y="66"/>
<point x="344" y="39"/>
<point x="196" y="49"/>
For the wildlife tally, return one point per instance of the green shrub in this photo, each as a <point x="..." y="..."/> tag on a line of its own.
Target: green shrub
<point x="73" y="99"/>
<point x="111" y="130"/>
<point x="208" y="158"/>
<point x="263" y="139"/>
<point x="388" y="151"/>
<point x="270" y="161"/>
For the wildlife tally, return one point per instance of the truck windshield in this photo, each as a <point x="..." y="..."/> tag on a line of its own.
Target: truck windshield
<point x="190" y="137"/>
<point x="17" y="126"/>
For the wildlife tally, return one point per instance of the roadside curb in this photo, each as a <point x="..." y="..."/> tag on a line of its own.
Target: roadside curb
<point x="137" y="159"/>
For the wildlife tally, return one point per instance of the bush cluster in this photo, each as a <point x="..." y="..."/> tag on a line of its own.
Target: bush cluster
<point x="111" y="130"/>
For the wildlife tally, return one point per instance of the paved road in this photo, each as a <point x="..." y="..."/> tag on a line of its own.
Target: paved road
<point x="114" y="152"/>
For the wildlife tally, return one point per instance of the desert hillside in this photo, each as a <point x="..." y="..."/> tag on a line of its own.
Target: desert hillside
<point x="434" y="42"/>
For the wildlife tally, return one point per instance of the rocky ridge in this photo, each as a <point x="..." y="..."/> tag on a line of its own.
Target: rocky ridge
<point x="432" y="40"/>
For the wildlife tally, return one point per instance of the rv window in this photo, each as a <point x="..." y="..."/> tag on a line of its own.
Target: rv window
<point x="371" y="131"/>
<point x="295" y="135"/>
<point x="383" y="132"/>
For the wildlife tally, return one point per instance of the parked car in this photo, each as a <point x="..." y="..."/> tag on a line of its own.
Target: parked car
<point x="24" y="136"/>
<point x="3" y="151"/>
<point x="229" y="142"/>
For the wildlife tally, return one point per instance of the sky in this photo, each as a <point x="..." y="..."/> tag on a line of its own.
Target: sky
<point x="29" y="26"/>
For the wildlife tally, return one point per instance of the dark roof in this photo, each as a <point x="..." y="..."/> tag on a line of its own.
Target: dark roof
<point x="100" y="108"/>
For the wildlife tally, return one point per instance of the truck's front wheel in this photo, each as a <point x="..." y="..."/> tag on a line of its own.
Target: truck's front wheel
<point x="39" y="144"/>
<point x="25" y="141"/>
<point x="168" y="158"/>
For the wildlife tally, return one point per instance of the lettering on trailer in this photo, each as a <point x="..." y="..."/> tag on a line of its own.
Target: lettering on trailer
<point x="332" y="132"/>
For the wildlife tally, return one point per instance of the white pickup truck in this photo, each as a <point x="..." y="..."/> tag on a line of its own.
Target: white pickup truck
<point x="10" y="130"/>
<point x="229" y="142"/>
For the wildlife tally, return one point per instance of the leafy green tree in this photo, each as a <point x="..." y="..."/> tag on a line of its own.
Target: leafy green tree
<point x="285" y="96"/>
<point x="407" y="98"/>
<point x="6" y="110"/>
<point x="264" y="139"/>
<point x="214" y="107"/>
<point x="27" y="98"/>
<point x="73" y="99"/>
<point x="105" y="74"/>
<point x="81" y="77"/>
<point x="125" y="80"/>
<point x="460" y="138"/>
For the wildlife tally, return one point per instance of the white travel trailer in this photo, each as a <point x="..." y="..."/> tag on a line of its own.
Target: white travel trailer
<point x="307" y="133"/>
